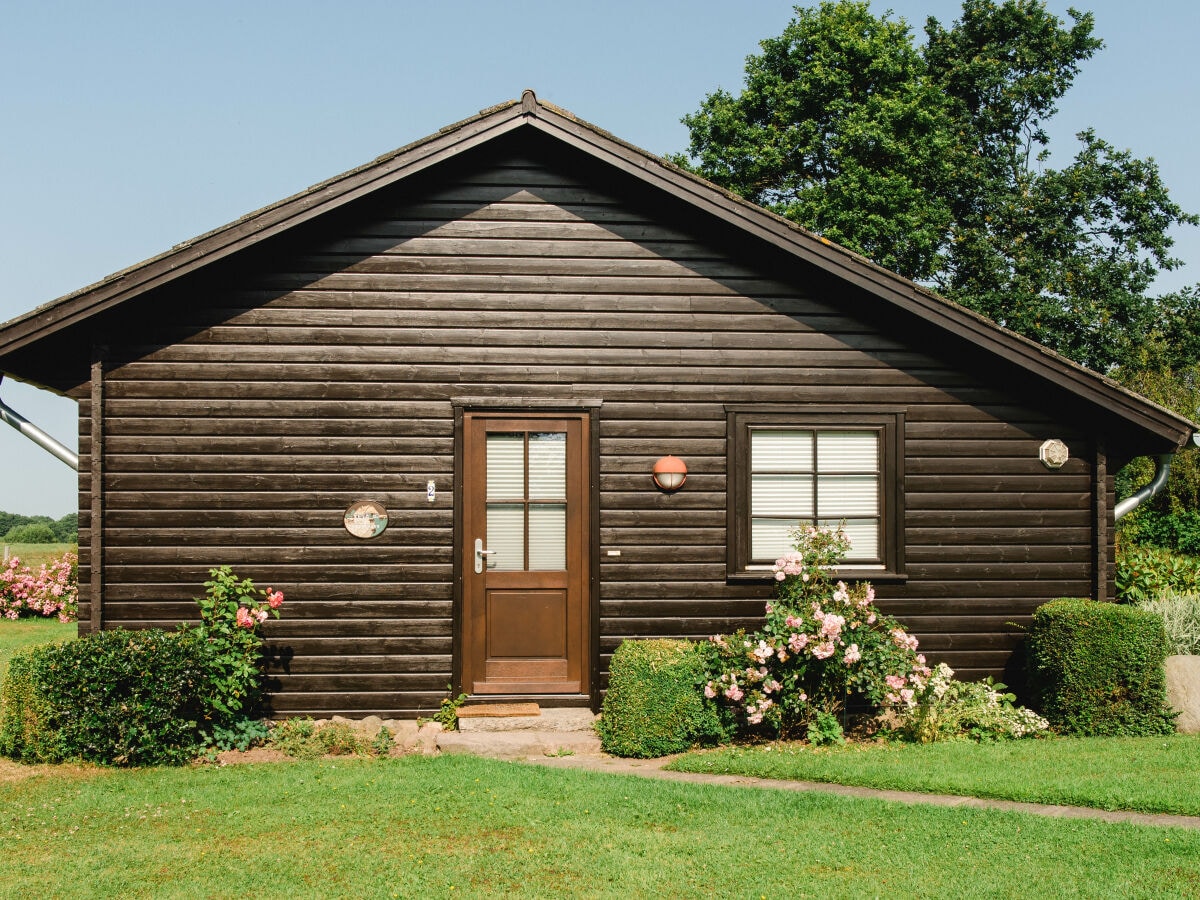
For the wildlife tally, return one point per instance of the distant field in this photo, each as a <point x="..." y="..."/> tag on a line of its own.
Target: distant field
<point x="33" y="555"/>
<point x="23" y="633"/>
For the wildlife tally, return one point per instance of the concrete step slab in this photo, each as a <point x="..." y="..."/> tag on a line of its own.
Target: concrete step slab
<point x="519" y="744"/>
<point x="561" y="720"/>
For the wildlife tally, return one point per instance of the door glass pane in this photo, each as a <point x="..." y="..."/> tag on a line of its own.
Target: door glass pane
<point x="780" y="451"/>
<point x="769" y="538"/>
<point x="506" y="466"/>
<point x="547" y="466"/>
<point x="505" y="536"/>
<point x="781" y="495"/>
<point x="547" y="536"/>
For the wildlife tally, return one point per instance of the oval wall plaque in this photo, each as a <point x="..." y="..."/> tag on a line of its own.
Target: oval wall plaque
<point x="366" y="519"/>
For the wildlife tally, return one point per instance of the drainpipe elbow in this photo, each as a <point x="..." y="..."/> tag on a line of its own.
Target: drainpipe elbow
<point x="1132" y="502"/>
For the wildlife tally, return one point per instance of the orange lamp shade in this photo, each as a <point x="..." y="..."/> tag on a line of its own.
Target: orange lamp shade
<point x="670" y="473"/>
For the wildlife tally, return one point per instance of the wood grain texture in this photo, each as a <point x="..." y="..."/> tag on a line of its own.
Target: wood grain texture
<point x="247" y="409"/>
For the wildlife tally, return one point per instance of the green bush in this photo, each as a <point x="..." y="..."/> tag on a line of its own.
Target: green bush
<point x="37" y="533"/>
<point x="128" y="698"/>
<point x="654" y="705"/>
<point x="1181" y="619"/>
<point x="1144" y="573"/>
<point x="1097" y="668"/>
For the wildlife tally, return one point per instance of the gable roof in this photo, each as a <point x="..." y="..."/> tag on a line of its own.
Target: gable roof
<point x="21" y="335"/>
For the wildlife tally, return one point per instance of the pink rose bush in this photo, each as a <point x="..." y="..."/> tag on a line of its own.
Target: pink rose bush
<point x="231" y="612"/>
<point x="821" y="642"/>
<point x="824" y="641"/>
<point x="51" y="591"/>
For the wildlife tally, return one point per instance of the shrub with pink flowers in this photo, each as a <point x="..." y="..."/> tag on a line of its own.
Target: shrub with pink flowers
<point x="231" y="612"/>
<point x="51" y="591"/>
<point x="822" y="642"/>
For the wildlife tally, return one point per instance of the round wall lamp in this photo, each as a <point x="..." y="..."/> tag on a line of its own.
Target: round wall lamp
<point x="670" y="473"/>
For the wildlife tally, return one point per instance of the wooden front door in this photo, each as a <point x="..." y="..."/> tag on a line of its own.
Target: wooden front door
<point x="525" y="559"/>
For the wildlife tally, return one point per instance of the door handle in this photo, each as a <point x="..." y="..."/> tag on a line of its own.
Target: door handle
<point x="480" y="554"/>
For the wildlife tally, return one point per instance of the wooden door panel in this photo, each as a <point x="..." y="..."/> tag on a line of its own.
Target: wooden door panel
<point x="525" y="627"/>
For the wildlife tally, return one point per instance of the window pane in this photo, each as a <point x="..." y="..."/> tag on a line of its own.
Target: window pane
<point x="505" y="536"/>
<point x="769" y="538"/>
<point x="506" y="466"/>
<point x="847" y="495"/>
<point x="547" y="536"/>
<point x="847" y="451"/>
<point x="780" y="451"/>
<point x="863" y="535"/>
<point x="547" y="466"/>
<point x="781" y="495"/>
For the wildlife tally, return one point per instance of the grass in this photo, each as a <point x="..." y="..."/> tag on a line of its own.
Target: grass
<point x="34" y="555"/>
<point x="17" y="634"/>
<point x="460" y="826"/>
<point x="1143" y="774"/>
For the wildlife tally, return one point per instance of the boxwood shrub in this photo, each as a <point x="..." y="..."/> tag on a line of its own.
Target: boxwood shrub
<point x="1097" y="668"/>
<point x="115" y="697"/>
<point x="654" y="705"/>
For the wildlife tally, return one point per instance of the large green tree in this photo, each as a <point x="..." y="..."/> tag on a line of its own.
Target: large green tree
<point x="933" y="160"/>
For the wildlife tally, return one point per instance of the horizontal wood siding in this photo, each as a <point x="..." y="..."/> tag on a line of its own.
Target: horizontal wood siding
<point x="240" y="428"/>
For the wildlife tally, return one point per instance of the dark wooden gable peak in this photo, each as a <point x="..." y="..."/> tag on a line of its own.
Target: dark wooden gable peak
<point x="52" y="345"/>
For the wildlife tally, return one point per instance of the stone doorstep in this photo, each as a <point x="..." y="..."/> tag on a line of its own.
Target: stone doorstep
<point x="550" y="720"/>
<point x="519" y="744"/>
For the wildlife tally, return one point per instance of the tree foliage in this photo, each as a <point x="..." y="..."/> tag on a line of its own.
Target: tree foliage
<point x="934" y="161"/>
<point x="64" y="530"/>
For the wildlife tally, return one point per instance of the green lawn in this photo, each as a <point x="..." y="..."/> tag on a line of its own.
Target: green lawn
<point x="33" y="555"/>
<point x="17" y="634"/>
<point x="1145" y="774"/>
<point x="460" y="826"/>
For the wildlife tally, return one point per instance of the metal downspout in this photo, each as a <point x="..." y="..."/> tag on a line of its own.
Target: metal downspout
<point x="35" y="434"/>
<point x="1129" y="504"/>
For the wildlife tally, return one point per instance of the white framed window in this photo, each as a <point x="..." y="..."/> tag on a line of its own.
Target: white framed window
<point x="790" y="468"/>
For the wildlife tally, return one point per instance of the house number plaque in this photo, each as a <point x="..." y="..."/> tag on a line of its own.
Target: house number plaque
<point x="366" y="519"/>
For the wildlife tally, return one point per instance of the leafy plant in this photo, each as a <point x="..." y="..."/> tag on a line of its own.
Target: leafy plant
<point x="1097" y="668"/>
<point x="825" y="730"/>
<point x="1181" y="621"/>
<point x="1145" y="573"/>
<point x="653" y="705"/>
<point x="948" y="709"/>
<point x="447" y="713"/>
<point x="933" y="161"/>
<point x="382" y="744"/>
<point x="35" y="533"/>
<point x="230" y="612"/>
<point x="240" y="734"/>
<point x="51" y="591"/>
<point x="821" y="643"/>
<point x="115" y="697"/>
<point x="304" y="739"/>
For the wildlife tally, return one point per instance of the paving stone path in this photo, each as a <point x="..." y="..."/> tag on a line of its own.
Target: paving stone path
<point x="654" y="768"/>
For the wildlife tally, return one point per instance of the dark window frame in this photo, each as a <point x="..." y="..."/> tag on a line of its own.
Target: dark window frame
<point x="887" y="421"/>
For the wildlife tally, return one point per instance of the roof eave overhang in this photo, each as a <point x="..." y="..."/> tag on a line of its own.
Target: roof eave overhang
<point x="1107" y="396"/>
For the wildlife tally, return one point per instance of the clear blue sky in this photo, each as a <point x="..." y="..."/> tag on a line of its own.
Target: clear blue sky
<point x="129" y="127"/>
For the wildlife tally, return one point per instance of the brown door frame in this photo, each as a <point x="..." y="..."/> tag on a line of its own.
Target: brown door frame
<point x="588" y="412"/>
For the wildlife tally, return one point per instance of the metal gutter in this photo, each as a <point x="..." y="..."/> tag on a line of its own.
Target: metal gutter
<point x="35" y="434"/>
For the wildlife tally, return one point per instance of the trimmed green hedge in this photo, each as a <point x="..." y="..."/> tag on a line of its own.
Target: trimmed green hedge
<point x="654" y="705"/>
<point x="1098" y="668"/>
<point x="129" y="698"/>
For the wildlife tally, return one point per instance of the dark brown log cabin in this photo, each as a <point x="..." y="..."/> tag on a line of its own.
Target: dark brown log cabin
<point x="494" y="333"/>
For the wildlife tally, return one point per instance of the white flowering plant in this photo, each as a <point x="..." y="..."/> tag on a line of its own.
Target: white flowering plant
<point x="821" y="642"/>
<point x="948" y="709"/>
